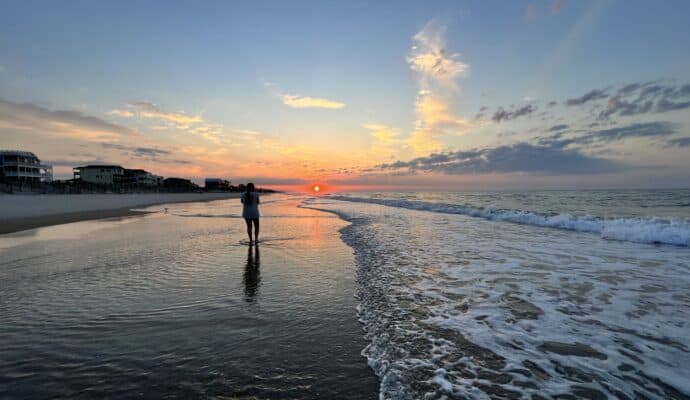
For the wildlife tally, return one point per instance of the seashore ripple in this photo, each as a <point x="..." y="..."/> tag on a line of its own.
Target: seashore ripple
<point x="169" y="306"/>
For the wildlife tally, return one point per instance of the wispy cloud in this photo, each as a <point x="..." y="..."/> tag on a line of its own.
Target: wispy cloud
<point x="310" y="102"/>
<point x="431" y="59"/>
<point x="551" y="159"/>
<point x="68" y="123"/>
<point x="437" y="71"/>
<point x="609" y="135"/>
<point x="587" y="97"/>
<point x="638" y="98"/>
<point x="386" y="143"/>
<point x="558" y="154"/>
<point x="507" y="115"/>
<point x="679" y="142"/>
<point x="137" y="150"/>
<point x="531" y="12"/>
<point x="559" y="127"/>
<point x="381" y="132"/>
<point x="150" y="110"/>
<point x="118" y="112"/>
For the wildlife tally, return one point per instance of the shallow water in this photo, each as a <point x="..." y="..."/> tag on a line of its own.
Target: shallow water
<point x="174" y="305"/>
<point x="462" y="307"/>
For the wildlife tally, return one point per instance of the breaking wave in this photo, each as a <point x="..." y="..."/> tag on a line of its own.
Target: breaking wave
<point x="656" y="230"/>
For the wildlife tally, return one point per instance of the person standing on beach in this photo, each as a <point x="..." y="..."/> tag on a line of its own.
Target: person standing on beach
<point x="250" y="211"/>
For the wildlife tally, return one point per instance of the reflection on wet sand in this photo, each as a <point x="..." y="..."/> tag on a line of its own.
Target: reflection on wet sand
<point x="252" y="277"/>
<point x="182" y="309"/>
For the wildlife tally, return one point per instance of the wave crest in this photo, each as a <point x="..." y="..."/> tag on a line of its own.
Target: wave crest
<point x="674" y="231"/>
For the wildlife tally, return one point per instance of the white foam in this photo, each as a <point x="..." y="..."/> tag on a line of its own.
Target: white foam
<point x="674" y="231"/>
<point x="443" y="297"/>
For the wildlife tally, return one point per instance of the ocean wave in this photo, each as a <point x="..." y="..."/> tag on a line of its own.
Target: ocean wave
<point x="655" y="230"/>
<point x="466" y="313"/>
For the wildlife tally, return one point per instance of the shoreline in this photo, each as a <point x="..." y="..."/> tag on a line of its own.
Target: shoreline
<point x="283" y="311"/>
<point x="36" y="211"/>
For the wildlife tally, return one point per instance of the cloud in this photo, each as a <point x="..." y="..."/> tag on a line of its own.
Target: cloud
<point x="153" y="154"/>
<point x="437" y="71"/>
<point x="137" y="150"/>
<point x="382" y="133"/>
<point x="531" y="12"/>
<point x="630" y="88"/>
<point x="648" y="97"/>
<point x="558" y="127"/>
<point x="638" y="98"/>
<point x="587" y="97"/>
<point x="503" y="115"/>
<point x="552" y="155"/>
<point x="434" y="118"/>
<point x="385" y="144"/>
<point x="551" y="159"/>
<point x="150" y="110"/>
<point x="680" y="142"/>
<point x="430" y="58"/>
<point x="616" y="105"/>
<point x="121" y="113"/>
<point x="665" y="105"/>
<point x="310" y="102"/>
<point x="69" y="123"/>
<point x="605" y="136"/>
<point x="434" y="111"/>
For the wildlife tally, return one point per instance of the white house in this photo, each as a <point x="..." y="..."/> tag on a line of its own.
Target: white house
<point x="99" y="174"/>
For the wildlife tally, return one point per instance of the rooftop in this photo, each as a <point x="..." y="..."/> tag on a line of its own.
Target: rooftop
<point x="17" y="153"/>
<point x="99" y="166"/>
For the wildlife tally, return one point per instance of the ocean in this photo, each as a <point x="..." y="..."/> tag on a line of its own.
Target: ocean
<point x="554" y="294"/>
<point x="541" y="295"/>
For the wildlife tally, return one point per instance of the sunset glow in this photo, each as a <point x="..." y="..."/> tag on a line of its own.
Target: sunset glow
<point x="437" y="110"/>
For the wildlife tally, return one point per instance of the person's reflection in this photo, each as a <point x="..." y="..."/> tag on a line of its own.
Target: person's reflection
<point x="252" y="278"/>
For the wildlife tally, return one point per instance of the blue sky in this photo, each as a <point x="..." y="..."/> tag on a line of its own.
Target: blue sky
<point x="220" y="76"/>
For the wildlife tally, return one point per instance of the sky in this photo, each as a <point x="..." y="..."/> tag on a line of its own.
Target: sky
<point x="385" y="95"/>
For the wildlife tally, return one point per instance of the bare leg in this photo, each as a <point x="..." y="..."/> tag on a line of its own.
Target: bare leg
<point x="256" y="230"/>
<point x="249" y="229"/>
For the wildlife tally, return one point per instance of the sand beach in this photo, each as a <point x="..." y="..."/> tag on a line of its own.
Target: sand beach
<point x="22" y="212"/>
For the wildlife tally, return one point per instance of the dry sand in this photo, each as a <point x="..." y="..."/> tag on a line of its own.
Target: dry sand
<point x="22" y="212"/>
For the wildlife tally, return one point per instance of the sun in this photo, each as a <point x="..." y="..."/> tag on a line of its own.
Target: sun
<point x="316" y="188"/>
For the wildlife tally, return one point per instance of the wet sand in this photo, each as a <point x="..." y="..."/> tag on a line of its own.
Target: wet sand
<point x="22" y="224"/>
<point x="176" y="305"/>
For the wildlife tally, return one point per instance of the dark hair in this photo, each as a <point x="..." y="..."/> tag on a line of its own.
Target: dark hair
<point x="250" y="188"/>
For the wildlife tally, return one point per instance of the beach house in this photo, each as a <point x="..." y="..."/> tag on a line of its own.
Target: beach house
<point x="140" y="177"/>
<point x="216" y="184"/>
<point x="100" y="174"/>
<point x="23" y="166"/>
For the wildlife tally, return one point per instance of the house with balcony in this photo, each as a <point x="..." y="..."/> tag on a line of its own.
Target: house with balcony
<point x="23" y="166"/>
<point x="100" y="174"/>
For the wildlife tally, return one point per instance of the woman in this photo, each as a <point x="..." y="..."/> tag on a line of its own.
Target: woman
<point x="250" y="211"/>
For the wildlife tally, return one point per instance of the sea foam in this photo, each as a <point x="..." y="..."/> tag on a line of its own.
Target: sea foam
<point x="461" y="308"/>
<point x="673" y="231"/>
